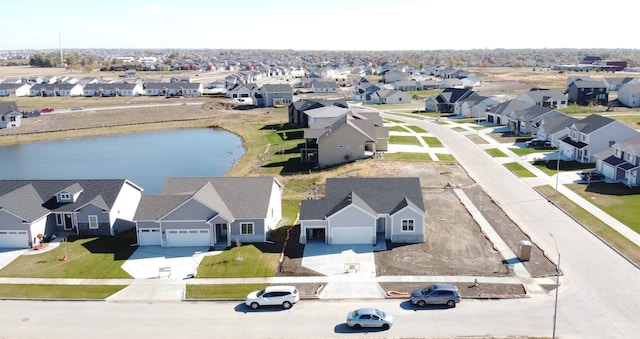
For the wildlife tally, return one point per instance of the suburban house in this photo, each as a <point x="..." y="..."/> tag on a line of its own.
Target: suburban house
<point x="299" y="110"/>
<point x="364" y="90"/>
<point x="499" y="114"/>
<point x="274" y="95"/>
<point x="428" y="84"/>
<point x="629" y="94"/>
<point x="31" y="210"/>
<point x="406" y="85"/>
<point x="553" y="126"/>
<point x="210" y="211"/>
<point x="10" y="115"/>
<point x="544" y="97"/>
<point x="591" y="135"/>
<point x="14" y="89"/>
<point x="361" y="210"/>
<point x="524" y="121"/>
<point x="113" y="89"/>
<point x="588" y="92"/>
<point x="474" y="106"/>
<point x="55" y="90"/>
<point x="320" y="86"/>
<point x="173" y="89"/>
<point x="390" y="96"/>
<point x="306" y="81"/>
<point x="348" y="137"/>
<point x="392" y="76"/>
<point x="445" y="101"/>
<point x="620" y="163"/>
<point x="242" y="91"/>
<point x="614" y="84"/>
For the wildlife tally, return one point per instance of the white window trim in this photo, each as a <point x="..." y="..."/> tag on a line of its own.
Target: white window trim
<point x="411" y="225"/>
<point x="93" y="222"/>
<point x="253" y="229"/>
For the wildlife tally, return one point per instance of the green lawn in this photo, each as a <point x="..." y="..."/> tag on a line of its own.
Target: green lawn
<point x="432" y="141"/>
<point x="90" y="258"/>
<point x="397" y="129"/>
<point x="406" y="156"/>
<point x="243" y="261"/>
<point x="404" y="140"/>
<point x="416" y="129"/>
<point x="221" y="291"/>
<point x="496" y="153"/>
<point x="519" y="170"/>
<point x="45" y="291"/>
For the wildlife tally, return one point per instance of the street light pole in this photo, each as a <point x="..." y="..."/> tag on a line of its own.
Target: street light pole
<point x="555" y="307"/>
<point x="557" y="171"/>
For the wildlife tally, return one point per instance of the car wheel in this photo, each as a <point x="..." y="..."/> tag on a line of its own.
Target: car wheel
<point x="385" y="326"/>
<point x="286" y="304"/>
<point x="254" y="305"/>
<point x="422" y="303"/>
<point x="357" y="326"/>
<point x="451" y="304"/>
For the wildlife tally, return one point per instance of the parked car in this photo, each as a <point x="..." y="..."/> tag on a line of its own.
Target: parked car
<point x="538" y="144"/>
<point x="77" y="108"/>
<point x="369" y="317"/>
<point x="442" y="294"/>
<point x="46" y="109"/>
<point x="591" y="176"/>
<point x="272" y="296"/>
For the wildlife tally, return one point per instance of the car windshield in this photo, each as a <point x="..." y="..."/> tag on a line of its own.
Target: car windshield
<point x="380" y="314"/>
<point x="259" y="294"/>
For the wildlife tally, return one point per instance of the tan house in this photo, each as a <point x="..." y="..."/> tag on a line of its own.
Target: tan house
<point x="348" y="137"/>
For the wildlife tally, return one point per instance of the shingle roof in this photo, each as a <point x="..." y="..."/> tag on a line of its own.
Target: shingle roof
<point x="380" y="195"/>
<point x="35" y="198"/>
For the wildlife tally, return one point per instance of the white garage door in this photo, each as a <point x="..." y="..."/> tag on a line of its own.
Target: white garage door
<point x="352" y="235"/>
<point x="184" y="238"/>
<point x="149" y="236"/>
<point x="14" y="239"/>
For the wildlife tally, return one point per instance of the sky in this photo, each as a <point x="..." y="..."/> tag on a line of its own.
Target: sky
<point x="371" y="25"/>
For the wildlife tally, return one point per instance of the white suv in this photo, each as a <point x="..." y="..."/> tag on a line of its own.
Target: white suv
<point x="273" y="295"/>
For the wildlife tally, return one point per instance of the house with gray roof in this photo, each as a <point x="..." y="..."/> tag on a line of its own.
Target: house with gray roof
<point x="10" y="115"/>
<point x="587" y="92"/>
<point x="629" y="94"/>
<point x="621" y="162"/>
<point x="523" y="121"/>
<point x="173" y="89"/>
<point x="591" y="135"/>
<point x="298" y="110"/>
<point x="29" y="208"/>
<point x="346" y="138"/>
<point x="544" y="97"/>
<point x="391" y="96"/>
<point x="242" y="90"/>
<point x="499" y="114"/>
<point x="113" y="89"/>
<point x="474" y="106"/>
<point x="14" y="89"/>
<point x="210" y="211"/>
<point x="274" y="95"/>
<point x="552" y="127"/>
<point x="361" y="210"/>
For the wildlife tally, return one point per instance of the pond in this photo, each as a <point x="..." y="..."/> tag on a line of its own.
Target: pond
<point x="147" y="159"/>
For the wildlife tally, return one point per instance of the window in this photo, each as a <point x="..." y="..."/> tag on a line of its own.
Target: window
<point x="65" y="196"/>
<point x="59" y="220"/>
<point x="246" y="228"/>
<point x="408" y="225"/>
<point x="93" y="222"/>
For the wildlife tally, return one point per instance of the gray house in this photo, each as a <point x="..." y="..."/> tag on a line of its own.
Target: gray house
<point x="29" y="208"/>
<point x="359" y="210"/>
<point x="621" y="162"/>
<point x="274" y="95"/>
<point x="210" y="211"/>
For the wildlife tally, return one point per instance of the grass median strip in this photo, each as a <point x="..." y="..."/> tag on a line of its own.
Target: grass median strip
<point x="51" y="291"/>
<point x="222" y="291"/>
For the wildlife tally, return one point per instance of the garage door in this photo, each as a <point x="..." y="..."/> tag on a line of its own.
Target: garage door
<point x="352" y="235"/>
<point x="14" y="239"/>
<point x="184" y="238"/>
<point x="149" y="237"/>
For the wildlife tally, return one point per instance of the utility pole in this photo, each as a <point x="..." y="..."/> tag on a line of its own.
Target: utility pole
<point x="555" y="307"/>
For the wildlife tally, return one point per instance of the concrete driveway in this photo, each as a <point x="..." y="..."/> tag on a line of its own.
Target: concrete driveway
<point x="351" y="269"/>
<point x="152" y="262"/>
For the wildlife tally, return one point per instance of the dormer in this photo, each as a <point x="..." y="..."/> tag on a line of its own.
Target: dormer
<point x="69" y="194"/>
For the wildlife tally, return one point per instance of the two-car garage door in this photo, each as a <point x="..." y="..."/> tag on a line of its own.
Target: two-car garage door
<point x="185" y="238"/>
<point x="14" y="239"/>
<point x="352" y="235"/>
